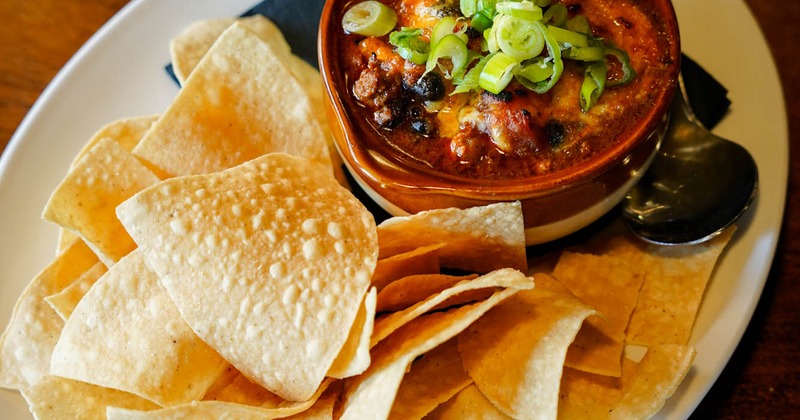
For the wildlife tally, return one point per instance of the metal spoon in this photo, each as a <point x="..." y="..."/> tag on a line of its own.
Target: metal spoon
<point x="697" y="185"/>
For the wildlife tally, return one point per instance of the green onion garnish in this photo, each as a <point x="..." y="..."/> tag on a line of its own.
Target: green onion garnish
<point x="585" y="53"/>
<point x="519" y="38"/>
<point x="450" y="47"/>
<point x="515" y="35"/>
<point x="411" y="45"/>
<point x="520" y="9"/>
<point x="369" y="18"/>
<point x="497" y="73"/>
<point x="594" y="80"/>
<point x="468" y="7"/>
<point x="472" y="79"/>
<point x="628" y="72"/>
<point x="567" y="37"/>
<point x="481" y="21"/>
<point x="487" y="4"/>
<point x="579" y="24"/>
<point x="535" y="71"/>
<point x="448" y="25"/>
<point x="554" y="52"/>
<point x="555" y="15"/>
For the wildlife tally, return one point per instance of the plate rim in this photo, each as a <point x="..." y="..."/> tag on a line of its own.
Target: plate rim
<point x="680" y="406"/>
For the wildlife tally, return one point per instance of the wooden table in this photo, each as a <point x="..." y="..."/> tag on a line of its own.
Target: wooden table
<point x="763" y="378"/>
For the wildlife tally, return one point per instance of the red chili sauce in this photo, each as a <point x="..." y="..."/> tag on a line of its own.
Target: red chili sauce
<point x="517" y="133"/>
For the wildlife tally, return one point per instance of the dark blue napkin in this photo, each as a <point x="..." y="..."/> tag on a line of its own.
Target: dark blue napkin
<point x="709" y="99"/>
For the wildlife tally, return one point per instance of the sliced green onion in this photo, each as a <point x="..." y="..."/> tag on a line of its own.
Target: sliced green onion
<point x="369" y="18"/>
<point x="487" y="5"/>
<point x="579" y="24"/>
<point x="472" y="79"/>
<point x="523" y="9"/>
<point x="517" y="37"/>
<point x="594" y="80"/>
<point x="497" y="73"/>
<point x="628" y="72"/>
<point x="585" y="53"/>
<point x="491" y="40"/>
<point x="484" y="45"/>
<point x="534" y="72"/>
<point x="554" y="51"/>
<point x="447" y="26"/>
<point x="450" y="47"/>
<point x="567" y="37"/>
<point x="481" y="21"/>
<point x="411" y="45"/>
<point x="515" y="34"/>
<point x="556" y="15"/>
<point x="468" y="7"/>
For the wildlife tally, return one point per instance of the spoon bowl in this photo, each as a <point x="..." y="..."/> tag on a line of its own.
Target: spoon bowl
<point x="698" y="183"/>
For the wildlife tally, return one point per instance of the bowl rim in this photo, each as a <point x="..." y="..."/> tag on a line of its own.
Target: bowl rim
<point x="383" y="166"/>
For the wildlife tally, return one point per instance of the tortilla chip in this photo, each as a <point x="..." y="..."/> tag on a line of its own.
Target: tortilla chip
<point x="241" y="390"/>
<point x="31" y="334"/>
<point x="479" y="239"/>
<point x="672" y="291"/>
<point x="422" y="260"/>
<point x="432" y="379"/>
<point x="506" y="277"/>
<point x="60" y="398"/>
<point x="323" y="409"/>
<point x="407" y="291"/>
<point x="268" y="262"/>
<point x="189" y="47"/>
<point x="127" y="334"/>
<point x="610" y="285"/>
<point x="617" y="239"/>
<point x="127" y="132"/>
<point x="212" y="410"/>
<point x="515" y="353"/>
<point x="658" y="376"/>
<point x="640" y="393"/>
<point x="470" y="403"/>
<point x="65" y="238"/>
<point x="193" y="42"/>
<point x="354" y="357"/>
<point x="585" y="395"/>
<point x="65" y="301"/>
<point x="85" y="200"/>
<point x="594" y="350"/>
<point x="239" y="103"/>
<point x="371" y="394"/>
<point x="225" y="379"/>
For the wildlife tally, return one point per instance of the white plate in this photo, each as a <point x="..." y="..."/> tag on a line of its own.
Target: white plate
<point x="119" y="73"/>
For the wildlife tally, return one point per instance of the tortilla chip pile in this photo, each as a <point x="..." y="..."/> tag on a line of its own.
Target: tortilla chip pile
<point x="211" y="264"/>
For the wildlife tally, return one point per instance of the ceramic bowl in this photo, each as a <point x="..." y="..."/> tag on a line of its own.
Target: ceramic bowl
<point x="554" y="205"/>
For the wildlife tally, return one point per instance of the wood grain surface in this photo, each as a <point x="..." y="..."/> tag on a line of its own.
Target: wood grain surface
<point x="762" y="380"/>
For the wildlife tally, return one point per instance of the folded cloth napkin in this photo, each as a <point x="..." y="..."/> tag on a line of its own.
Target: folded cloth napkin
<point x="709" y="99"/>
